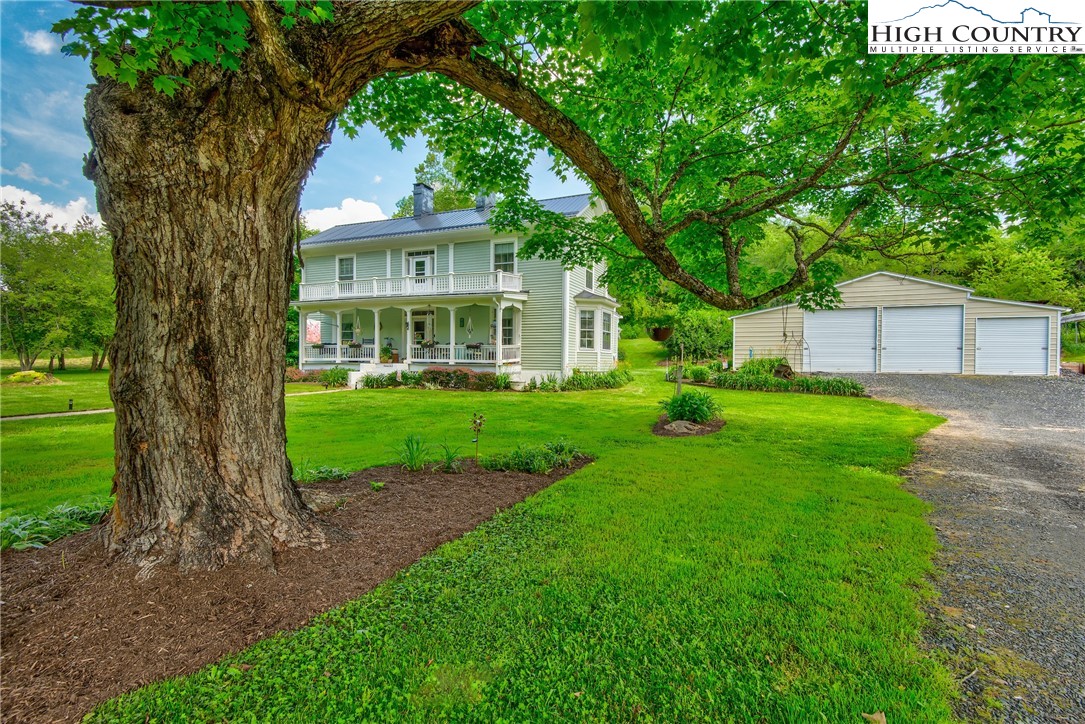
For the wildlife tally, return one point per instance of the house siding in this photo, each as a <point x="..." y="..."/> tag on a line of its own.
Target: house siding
<point x="472" y="256"/>
<point x="774" y="333"/>
<point x="370" y="264"/>
<point x="319" y="269"/>
<point x="441" y="264"/>
<point x="540" y="325"/>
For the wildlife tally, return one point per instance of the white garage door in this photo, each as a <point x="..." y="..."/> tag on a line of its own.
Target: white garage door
<point x="922" y="339"/>
<point x="1012" y="346"/>
<point x="841" y="340"/>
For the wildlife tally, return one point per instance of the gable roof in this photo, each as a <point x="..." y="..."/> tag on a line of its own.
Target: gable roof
<point x="433" y="223"/>
<point x="905" y="277"/>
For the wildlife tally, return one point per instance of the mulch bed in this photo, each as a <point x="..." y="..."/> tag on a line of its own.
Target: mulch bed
<point x="703" y="428"/>
<point x="78" y="630"/>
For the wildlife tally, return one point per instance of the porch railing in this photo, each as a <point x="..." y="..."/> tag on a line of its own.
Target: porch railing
<point x="452" y="283"/>
<point x="437" y="354"/>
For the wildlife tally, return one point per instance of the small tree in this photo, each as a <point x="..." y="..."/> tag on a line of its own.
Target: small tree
<point x="448" y="192"/>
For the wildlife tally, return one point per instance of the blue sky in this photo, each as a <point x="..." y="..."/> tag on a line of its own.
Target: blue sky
<point x="42" y="139"/>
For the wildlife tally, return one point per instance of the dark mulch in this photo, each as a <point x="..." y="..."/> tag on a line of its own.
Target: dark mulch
<point x="77" y="630"/>
<point x="703" y="428"/>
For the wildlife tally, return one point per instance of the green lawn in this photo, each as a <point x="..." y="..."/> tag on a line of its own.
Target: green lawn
<point x="87" y="390"/>
<point x="773" y="571"/>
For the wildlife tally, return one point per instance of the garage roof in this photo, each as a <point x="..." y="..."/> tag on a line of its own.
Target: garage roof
<point x="922" y="281"/>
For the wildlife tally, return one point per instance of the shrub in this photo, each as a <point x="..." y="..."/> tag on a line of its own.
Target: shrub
<point x="525" y="459"/>
<point x="306" y="473"/>
<point x="335" y="377"/>
<point x="581" y="380"/>
<point x="564" y="452"/>
<point x="698" y="373"/>
<point x="485" y="381"/>
<point x="293" y="374"/>
<point x="35" y="531"/>
<point x="412" y="453"/>
<point x="693" y="406"/>
<point x="715" y="367"/>
<point x="30" y="377"/>
<point x="410" y="379"/>
<point x="704" y="333"/>
<point x="449" y="378"/>
<point x="378" y="381"/>
<point x="768" y="383"/>
<point x="502" y="381"/>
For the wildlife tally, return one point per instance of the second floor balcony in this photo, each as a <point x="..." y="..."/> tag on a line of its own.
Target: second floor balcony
<point x="465" y="283"/>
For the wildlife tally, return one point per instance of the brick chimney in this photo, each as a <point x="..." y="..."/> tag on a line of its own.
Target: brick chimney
<point x="423" y="200"/>
<point x="485" y="201"/>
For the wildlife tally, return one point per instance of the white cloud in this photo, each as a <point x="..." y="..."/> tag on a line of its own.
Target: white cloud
<point x="48" y="138"/>
<point x="41" y="42"/>
<point x="26" y="172"/>
<point x="67" y="215"/>
<point x="351" y="211"/>
<point x="377" y="179"/>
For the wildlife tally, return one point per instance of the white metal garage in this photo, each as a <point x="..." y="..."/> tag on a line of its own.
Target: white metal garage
<point x="842" y="340"/>
<point x="895" y="323"/>
<point x="923" y="339"/>
<point x="1012" y="345"/>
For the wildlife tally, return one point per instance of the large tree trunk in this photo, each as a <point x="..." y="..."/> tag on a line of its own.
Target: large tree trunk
<point x="200" y="193"/>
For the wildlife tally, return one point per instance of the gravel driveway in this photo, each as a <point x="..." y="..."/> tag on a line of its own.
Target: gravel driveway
<point x="1006" y="477"/>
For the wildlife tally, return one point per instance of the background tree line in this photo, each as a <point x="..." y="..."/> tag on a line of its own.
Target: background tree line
<point x="56" y="288"/>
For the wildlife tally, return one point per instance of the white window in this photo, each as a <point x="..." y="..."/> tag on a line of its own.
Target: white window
<point x="348" y="331"/>
<point x="505" y="257"/>
<point x="346" y="268"/>
<point x="606" y="330"/>
<point x="506" y="328"/>
<point x="589" y="278"/>
<point x="587" y="329"/>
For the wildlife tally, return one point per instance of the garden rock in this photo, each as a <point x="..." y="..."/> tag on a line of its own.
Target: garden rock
<point x="321" y="501"/>
<point x="683" y="427"/>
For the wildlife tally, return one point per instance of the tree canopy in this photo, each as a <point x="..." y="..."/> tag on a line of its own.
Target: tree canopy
<point x="56" y="286"/>
<point x="704" y="124"/>
<point x="449" y="192"/>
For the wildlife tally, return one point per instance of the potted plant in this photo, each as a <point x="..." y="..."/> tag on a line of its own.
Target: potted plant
<point x="429" y="343"/>
<point x="354" y="344"/>
<point x="386" y="354"/>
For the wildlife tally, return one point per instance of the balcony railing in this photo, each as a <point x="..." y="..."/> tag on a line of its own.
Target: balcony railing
<point x="436" y="354"/>
<point x="376" y="287"/>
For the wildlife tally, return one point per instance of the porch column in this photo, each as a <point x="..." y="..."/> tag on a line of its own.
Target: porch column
<point x="408" y="334"/>
<point x="452" y="336"/>
<point x="339" y="336"/>
<point x="303" y="323"/>
<point x="377" y="341"/>
<point x="497" y="340"/>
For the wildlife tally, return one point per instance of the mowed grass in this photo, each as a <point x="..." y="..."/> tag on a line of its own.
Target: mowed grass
<point x="773" y="571"/>
<point x="87" y="390"/>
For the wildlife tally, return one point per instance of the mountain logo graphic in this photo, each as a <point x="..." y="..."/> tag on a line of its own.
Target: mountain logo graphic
<point x="1029" y="15"/>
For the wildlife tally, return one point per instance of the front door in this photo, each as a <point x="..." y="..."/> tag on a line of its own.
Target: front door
<point x="421" y="271"/>
<point x="421" y="327"/>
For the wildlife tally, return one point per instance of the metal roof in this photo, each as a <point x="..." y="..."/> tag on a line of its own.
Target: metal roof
<point x="433" y="223"/>
<point x="586" y="296"/>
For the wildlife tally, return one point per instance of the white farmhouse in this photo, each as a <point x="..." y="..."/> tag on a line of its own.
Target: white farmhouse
<point x="442" y="289"/>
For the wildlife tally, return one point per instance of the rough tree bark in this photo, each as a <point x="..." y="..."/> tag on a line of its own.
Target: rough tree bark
<point x="200" y="193"/>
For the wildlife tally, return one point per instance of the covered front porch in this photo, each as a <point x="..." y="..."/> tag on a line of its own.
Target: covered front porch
<point x="469" y="334"/>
